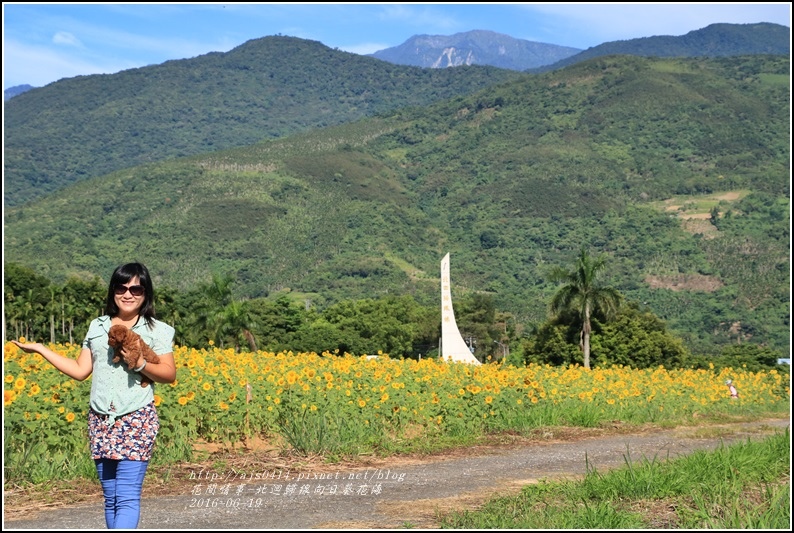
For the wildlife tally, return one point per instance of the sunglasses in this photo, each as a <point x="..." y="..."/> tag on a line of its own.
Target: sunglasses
<point x="135" y="290"/>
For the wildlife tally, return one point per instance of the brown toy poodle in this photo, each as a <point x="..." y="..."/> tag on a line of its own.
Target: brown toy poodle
<point x="121" y="337"/>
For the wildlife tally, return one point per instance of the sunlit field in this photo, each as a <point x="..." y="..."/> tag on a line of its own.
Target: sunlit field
<point x="342" y="405"/>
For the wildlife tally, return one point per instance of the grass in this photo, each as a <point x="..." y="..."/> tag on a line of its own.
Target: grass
<point x="599" y="499"/>
<point x="700" y="204"/>
<point x="742" y="486"/>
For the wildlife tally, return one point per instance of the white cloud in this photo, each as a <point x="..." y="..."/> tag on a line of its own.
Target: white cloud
<point x="365" y="48"/>
<point x="64" y="37"/>
<point x="163" y="47"/>
<point x="39" y="66"/>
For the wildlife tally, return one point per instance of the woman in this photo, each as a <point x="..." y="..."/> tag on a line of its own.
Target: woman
<point x="732" y="389"/>
<point x="122" y="420"/>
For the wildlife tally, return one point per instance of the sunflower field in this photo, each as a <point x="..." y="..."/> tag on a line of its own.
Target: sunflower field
<point x="341" y="404"/>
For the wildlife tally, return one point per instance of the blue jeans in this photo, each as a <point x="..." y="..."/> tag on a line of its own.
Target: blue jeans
<point x="122" y="482"/>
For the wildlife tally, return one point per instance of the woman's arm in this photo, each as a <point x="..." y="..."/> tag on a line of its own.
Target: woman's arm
<point x="78" y="369"/>
<point x="162" y="372"/>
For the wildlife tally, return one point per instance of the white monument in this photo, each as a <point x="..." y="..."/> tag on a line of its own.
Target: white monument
<point x="453" y="347"/>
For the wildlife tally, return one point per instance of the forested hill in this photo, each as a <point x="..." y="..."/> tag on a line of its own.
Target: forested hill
<point x="677" y="169"/>
<point x="88" y="126"/>
<point x="715" y="40"/>
<point x="266" y="88"/>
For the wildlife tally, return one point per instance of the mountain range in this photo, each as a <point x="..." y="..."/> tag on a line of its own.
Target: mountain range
<point x="715" y="40"/>
<point x="16" y="90"/>
<point x="266" y="88"/>
<point x="483" y="47"/>
<point x="364" y="174"/>
<point x="477" y="47"/>
<point x="676" y="169"/>
<point x="87" y="126"/>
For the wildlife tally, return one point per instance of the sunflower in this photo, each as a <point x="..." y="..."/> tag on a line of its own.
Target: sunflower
<point x="9" y="396"/>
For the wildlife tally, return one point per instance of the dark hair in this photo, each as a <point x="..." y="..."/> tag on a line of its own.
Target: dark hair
<point x="124" y="274"/>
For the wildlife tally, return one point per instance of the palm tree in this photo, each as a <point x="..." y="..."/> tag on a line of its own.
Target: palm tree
<point x="584" y="296"/>
<point x="214" y="296"/>
<point x="168" y="309"/>
<point x="11" y="314"/>
<point x="30" y="309"/>
<point x="222" y="316"/>
<point x="234" y="321"/>
<point x="52" y="307"/>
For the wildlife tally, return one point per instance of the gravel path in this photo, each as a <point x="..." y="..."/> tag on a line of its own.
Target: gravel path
<point x="394" y="495"/>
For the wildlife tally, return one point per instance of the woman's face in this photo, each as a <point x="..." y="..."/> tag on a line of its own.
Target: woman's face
<point x="131" y="300"/>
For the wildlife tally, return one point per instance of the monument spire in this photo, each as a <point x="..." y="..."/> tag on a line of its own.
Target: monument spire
<point x="453" y="347"/>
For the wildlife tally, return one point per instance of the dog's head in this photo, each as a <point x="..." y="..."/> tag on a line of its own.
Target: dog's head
<point x="116" y="335"/>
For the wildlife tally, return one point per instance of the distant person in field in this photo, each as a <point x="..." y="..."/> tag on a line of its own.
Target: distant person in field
<point x="122" y="420"/>
<point x="732" y="389"/>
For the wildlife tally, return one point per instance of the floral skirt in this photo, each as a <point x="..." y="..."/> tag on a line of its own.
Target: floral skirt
<point x="131" y="436"/>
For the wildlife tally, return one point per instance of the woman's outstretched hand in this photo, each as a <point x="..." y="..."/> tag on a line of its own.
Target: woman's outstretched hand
<point x="29" y="347"/>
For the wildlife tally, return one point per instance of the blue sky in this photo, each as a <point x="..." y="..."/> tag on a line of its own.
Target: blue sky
<point x="43" y="43"/>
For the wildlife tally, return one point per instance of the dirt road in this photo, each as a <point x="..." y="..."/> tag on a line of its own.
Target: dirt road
<point x="392" y="493"/>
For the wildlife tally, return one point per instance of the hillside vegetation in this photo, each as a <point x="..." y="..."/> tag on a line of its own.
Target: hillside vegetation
<point x="271" y="87"/>
<point x="715" y="40"/>
<point x="510" y="180"/>
<point x="87" y="126"/>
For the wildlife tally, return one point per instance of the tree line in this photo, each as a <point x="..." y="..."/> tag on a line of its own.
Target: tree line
<point x="588" y="323"/>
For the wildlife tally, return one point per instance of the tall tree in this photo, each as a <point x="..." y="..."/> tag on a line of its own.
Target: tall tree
<point x="167" y="305"/>
<point x="52" y="306"/>
<point x="582" y="294"/>
<point x="84" y="301"/>
<point x="236" y="321"/>
<point x="213" y="297"/>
